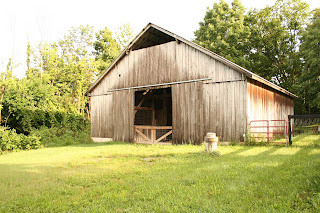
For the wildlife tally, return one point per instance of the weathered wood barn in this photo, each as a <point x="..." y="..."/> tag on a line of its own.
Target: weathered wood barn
<point x="165" y="88"/>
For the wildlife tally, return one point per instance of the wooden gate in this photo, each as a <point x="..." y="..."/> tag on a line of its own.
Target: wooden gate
<point x="152" y="134"/>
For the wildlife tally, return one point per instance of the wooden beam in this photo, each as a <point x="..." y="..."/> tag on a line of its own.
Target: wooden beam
<point x="139" y="105"/>
<point x="142" y="108"/>
<point x="152" y="127"/>
<point x="157" y="96"/>
<point x="153" y="135"/>
<point x="163" y="136"/>
<point x="163" y="84"/>
<point x="143" y="135"/>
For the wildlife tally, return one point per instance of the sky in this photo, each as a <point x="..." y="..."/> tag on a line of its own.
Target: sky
<point x="49" y="20"/>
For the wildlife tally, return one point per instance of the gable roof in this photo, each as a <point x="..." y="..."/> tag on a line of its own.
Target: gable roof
<point x="153" y="35"/>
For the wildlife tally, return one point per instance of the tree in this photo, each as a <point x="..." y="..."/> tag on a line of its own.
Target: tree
<point x="106" y="49"/>
<point x="223" y="31"/>
<point x="309" y="85"/>
<point x="124" y="35"/>
<point x="7" y="81"/>
<point x="275" y="40"/>
<point x="78" y="64"/>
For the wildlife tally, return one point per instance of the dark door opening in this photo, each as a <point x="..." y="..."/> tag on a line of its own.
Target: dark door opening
<point x="153" y="115"/>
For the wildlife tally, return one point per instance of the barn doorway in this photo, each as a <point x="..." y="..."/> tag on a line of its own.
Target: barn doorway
<point x="153" y="116"/>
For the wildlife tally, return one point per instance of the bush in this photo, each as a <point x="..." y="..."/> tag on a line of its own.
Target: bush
<point x="11" y="141"/>
<point x="25" y="120"/>
<point x="52" y="137"/>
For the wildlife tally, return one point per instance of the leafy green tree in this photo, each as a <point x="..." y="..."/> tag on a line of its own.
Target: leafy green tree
<point x="223" y="31"/>
<point x="275" y="40"/>
<point x="7" y="81"/>
<point x="106" y="49"/>
<point x="78" y="64"/>
<point x="63" y="71"/>
<point x="124" y="35"/>
<point x="309" y="84"/>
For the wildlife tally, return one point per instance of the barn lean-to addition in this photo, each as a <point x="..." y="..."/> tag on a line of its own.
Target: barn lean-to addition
<point x="165" y="88"/>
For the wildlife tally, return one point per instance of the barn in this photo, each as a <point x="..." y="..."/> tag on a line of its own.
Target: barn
<point x="163" y="88"/>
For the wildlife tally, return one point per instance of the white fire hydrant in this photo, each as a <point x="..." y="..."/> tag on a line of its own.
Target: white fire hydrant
<point x="211" y="142"/>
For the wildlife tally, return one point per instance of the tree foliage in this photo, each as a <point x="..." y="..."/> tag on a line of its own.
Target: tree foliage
<point x="106" y="49"/>
<point x="275" y="40"/>
<point x="124" y="35"/>
<point x="58" y="75"/>
<point x="49" y="104"/>
<point x="223" y="31"/>
<point x="309" y="84"/>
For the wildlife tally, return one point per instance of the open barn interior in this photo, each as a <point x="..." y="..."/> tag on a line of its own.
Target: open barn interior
<point x="153" y="115"/>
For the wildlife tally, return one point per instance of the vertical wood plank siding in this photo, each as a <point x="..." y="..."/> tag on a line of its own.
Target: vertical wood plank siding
<point x="123" y="115"/>
<point x="101" y="116"/>
<point x="225" y="105"/>
<point x="187" y="111"/>
<point x="197" y="108"/>
<point x="265" y="103"/>
<point x="163" y="63"/>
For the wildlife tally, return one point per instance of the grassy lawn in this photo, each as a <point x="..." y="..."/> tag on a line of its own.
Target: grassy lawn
<point x="121" y="177"/>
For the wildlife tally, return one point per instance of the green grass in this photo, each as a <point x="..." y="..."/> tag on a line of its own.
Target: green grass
<point x="307" y="139"/>
<point x="121" y="177"/>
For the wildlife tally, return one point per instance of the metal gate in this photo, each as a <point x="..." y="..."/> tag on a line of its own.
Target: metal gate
<point x="274" y="131"/>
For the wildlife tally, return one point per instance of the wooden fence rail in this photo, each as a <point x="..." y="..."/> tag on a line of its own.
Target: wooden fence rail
<point x="143" y="131"/>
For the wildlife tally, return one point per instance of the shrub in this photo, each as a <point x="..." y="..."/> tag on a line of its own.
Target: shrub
<point x="12" y="141"/>
<point x="25" y="120"/>
<point x="52" y="137"/>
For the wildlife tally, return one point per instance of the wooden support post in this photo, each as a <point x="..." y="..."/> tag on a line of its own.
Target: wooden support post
<point x="153" y="114"/>
<point x="268" y="131"/>
<point x="153" y="131"/>
<point x="139" y="105"/>
<point x="153" y="135"/>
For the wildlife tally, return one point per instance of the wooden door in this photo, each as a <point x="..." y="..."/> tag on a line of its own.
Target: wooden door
<point x="123" y="115"/>
<point x="187" y="113"/>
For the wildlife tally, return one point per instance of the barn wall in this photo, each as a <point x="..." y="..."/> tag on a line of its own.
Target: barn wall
<point x="169" y="62"/>
<point x="225" y="104"/>
<point x="218" y="107"/>
<point x="265" y="103"/>
<point x="101" y="116"/>
<point x="187" y="113"/>
<point x="123" y="115"/>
